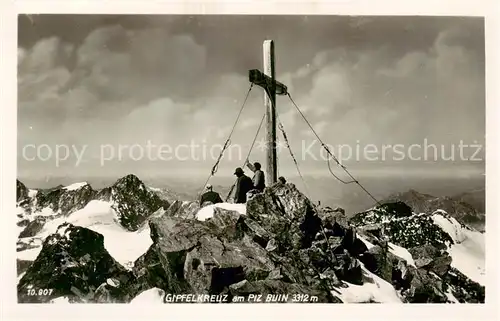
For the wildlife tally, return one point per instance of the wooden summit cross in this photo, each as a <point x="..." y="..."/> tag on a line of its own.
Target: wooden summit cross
<point x="272" y="88"/>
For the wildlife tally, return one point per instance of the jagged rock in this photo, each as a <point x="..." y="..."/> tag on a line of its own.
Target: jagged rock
<point x="226" y="221"/>
<point x="183" y="209"/>
<point x="441" y="265"/>
<point x="23" y="222"/>
<point x="33" y="227"/>
<point x="431" y="258"/>
<point x="424" y="254"/>
<point x="246" y="225"/>
<point x="203" y="257"/>
<point x="352" y="244"/>
<point x="334" y="221"/>
<point x="64" y="201"/>
<point x="72" y="261"/>
<point x="132" y="201"/>
<point x="287" y="214"/>
<point x="425" y="288"/>
<point x="388" y="266"/>
<point x="380" y="261"/>
<point x="149" y="272"/>
<point x="21" y="191"/>
<point x="402" y="275"/>
<point x="348" y="269"/>
<point x="282" y="245"/>
<point x="293" y="269"/>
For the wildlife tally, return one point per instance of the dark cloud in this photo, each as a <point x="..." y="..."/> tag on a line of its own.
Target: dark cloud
<point x="95" y="79"/>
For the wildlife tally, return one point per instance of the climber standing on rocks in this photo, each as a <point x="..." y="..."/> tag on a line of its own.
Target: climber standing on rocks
<point x="258" y="177"/>
<point x="243" y="185"/>
<point x="210" y="196"/>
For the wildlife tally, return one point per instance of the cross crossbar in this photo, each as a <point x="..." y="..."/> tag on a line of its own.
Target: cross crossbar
<point x="258" y="78"/>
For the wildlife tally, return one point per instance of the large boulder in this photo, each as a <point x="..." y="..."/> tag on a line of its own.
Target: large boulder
<point x="431" y="258"/>
<point x="286" y="213"/>
<point x="334" y="221"/>
<point x="183" y="209"/>
<point x="205" y="257"/>
<point x="425" y="287"/>
<point x="380" y="261"/>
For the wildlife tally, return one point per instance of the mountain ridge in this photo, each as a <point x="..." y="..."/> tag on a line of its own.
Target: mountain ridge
<point x="388" y="253"/>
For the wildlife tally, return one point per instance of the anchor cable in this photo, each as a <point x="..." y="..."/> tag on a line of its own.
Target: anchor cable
<point x="226" y="144"/>
<point x="325" y="147"/>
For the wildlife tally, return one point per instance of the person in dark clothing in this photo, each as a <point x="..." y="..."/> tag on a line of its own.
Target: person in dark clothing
<point x="282" y="180"/>
<point x="243" y="186"/>
<point x="258" y="177"/>
<point x="210" y="196"/>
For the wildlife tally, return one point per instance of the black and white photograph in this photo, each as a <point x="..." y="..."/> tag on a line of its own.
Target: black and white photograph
<point x="250" y="159"/>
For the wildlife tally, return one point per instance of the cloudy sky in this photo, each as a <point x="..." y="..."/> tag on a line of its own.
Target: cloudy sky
<point x="93" y="83"/>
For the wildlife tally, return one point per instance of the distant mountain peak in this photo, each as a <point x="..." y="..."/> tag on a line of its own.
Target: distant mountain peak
<point x="21" y="191"/>
<point x="132" y="201"/>
<point x="128" y="179"/>
<point x="457" y="206"/>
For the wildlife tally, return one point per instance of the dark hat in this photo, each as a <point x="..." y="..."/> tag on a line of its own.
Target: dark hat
<point x="238" y="171"/>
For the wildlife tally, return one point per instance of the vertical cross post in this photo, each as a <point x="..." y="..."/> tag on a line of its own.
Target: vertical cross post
<point x="270" y="103"/>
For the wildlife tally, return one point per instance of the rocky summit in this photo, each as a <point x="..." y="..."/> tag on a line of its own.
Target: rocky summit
<point x="281" y="246"/>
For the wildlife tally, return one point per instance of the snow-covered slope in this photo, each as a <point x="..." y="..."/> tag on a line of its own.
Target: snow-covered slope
<point x="406" y="230"/>
<point x="468" y="250"/>
<point x="375" y="289"/>
<point x="124" y="246"/>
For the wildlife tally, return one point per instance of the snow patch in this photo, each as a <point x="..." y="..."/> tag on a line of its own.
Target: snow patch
<point x="29" y="254"/>
<point x="468" y="252"/>
<point x="208" y="211"/>
<point x="61" y="299"/>
<point x="401" y="252"/>
<point x="32" y="193"/>
<point x="379" y="291"/>
<point x="19" y="277"/>
<point x="113" y="282"/>
<point x="367" y="243"/>
<point x="75" y="186"/>
<point x="46" y="211"/>
<point x="154" y="295"/>
<point x="451" y="297"/>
